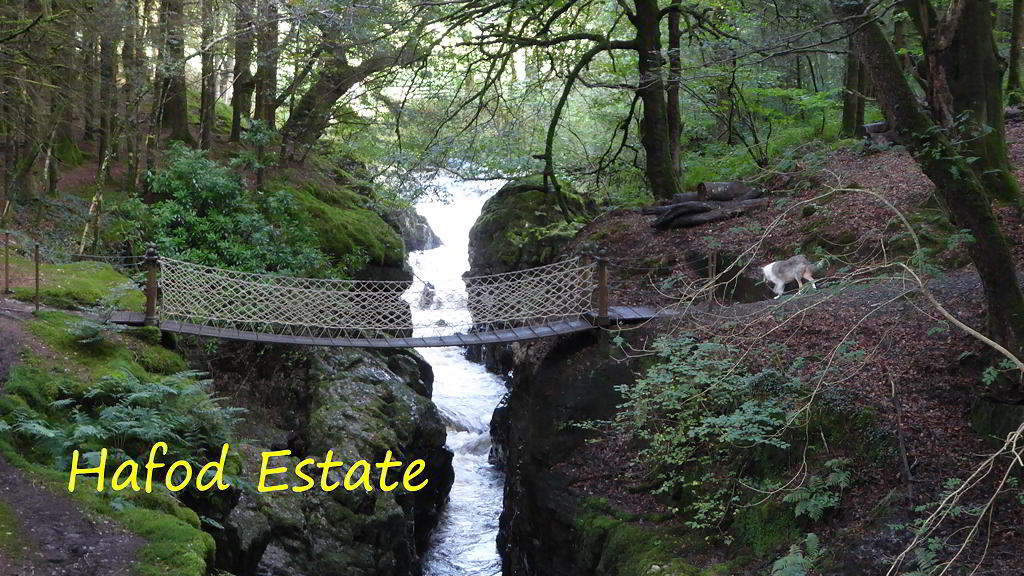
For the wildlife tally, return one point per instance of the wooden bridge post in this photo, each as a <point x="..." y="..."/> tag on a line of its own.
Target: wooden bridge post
<point x="36" y="259"/>
<point x="7" y="263"/>
<point x="152" y="267"/>
<point x="602" y="290"/>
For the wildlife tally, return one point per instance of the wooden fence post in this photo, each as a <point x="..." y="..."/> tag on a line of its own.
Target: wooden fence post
<point x="7" y="263"/>
<point x="36" y="258"/>
<point x="152" y="266"/>
<point x="712" y="274"/>
<point x="602" y="290"/>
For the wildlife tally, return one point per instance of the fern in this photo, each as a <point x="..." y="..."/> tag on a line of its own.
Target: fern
<point x="818" y="494"/>
<point x="799" y="560"/>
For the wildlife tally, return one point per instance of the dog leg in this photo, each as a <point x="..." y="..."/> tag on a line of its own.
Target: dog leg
<point x="779" y="288"/>
<point x="810" y="278"/>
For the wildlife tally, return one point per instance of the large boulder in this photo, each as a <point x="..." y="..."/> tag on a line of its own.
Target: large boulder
<point x="415" y="230"/>
<point x="360" y="404"/>
<point x="510" y="233"/>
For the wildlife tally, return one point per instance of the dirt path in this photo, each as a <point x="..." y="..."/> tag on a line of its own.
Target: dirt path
<point x="56" y="538"/>
<point x="51" y="535"/>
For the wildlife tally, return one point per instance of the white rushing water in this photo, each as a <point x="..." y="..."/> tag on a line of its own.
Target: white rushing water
<point x="464" y="541"/>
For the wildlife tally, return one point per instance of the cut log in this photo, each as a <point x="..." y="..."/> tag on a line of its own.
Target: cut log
<point x="686" y="214"/>
<point x="719" y="192"/>
<point x="683" y="207"/>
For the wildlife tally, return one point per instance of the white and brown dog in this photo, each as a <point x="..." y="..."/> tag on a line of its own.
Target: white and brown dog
<point x="779" y="273"/>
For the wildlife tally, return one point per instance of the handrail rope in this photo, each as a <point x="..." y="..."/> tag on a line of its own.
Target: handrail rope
<point x="237" y="274"/>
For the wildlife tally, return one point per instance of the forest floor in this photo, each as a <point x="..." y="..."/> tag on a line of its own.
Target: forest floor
<point x="43" y="533"/>
<point x="919" y="376"/>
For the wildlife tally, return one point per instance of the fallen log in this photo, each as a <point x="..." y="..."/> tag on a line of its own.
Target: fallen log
<point x="683" y="206"/>
<point x="686" y="214"/>
<point x="719" y="192"/>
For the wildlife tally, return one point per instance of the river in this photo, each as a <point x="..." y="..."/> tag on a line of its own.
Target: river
<point x="465" y="393"/>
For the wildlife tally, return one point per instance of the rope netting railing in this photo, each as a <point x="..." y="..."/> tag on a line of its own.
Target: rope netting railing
<point x="265" y="303"/>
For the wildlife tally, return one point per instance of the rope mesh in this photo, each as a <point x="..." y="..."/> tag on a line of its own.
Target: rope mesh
<point x="265" y="303"/>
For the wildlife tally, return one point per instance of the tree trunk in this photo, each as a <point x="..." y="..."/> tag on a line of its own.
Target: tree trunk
<point x="241" y="98"/>
<point x="851" y="94"/>
<point x="175" y="93"/>
<point x="973" y="75"/>
<point x="134" y="84"/>
<point x="675" y="72"/>
<point x="959" y="188"/>
<point x="1016" y="37"/>
<point x="208" y="90"/>
<point x="266" y="69"/>
<point x="964" y="85"/>
<point x="654" y="124"/>
<point x="89" y="83"/>
<point x="109" y="38"/>
<point x="312" y="113"/>
<point x="65" y="79"/>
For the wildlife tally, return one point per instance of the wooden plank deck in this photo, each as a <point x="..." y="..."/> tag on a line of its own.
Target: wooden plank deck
<point x="617" y="314"/>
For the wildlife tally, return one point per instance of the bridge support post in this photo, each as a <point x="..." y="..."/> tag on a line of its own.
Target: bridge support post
<point x="152" y="267"/>
<point x="602" y="290"/>
<point x="7" y="263"/>
<point x="35" y="257"/>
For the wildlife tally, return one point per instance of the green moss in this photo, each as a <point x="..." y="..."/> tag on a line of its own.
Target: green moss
<point x="10" y="538"/>
<point x="346" y="226"/>
<point x="157" y="360"/>
<point x="147" y="334"/>
<point x="34" y="385"/>
<point x="765" y="529"/>
<point x="614" y="546"/>
<point x="75" y="285"/>
<point x="99" y="359"/>
<point x="172" y="545"/>
<point x="68" y="152"/>
<point x="521" y="226"/>
<point x="174" y="542"/>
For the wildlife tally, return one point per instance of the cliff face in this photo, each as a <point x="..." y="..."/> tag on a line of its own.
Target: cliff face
<point x="359" y="404"/>
<point x="548" y="527"/>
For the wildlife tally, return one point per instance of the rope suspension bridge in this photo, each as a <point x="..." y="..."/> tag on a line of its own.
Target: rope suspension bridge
<point x="188" y="298"/>
<point x="561" y="298"/>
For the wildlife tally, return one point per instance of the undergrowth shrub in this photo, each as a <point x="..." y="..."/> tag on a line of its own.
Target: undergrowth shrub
<point x="126" y="413"/>
<point x="205" y="215"/>
<point x="708" y="430"/>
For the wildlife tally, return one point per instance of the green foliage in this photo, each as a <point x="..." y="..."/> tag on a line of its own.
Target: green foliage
<point x="800" y="559"/>
<point x="257" y="139"/>
<point x="206" y="216"/>
<point x="820" y="494"/>
<point x="696" y="403"/>
<point x="127" y="413"/>
<point x="700" y="417"/>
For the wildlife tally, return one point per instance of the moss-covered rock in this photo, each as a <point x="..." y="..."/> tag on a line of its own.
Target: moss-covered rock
<point x="521" y="226"/>
<point x="347" y="228"/>
<point x="358" y="404"/>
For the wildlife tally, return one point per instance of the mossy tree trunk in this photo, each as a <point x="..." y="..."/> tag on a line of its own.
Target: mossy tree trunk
<point x="244" y="84"/>
<point x="853" y="107"/>
<point x="654" y="124"/>
<point x="1016" y="37"/>
<point x="958" y="186"/>
<point x="266" y="69"/>
<point x="208" y="90"/>
<point x="675" y="72"/>
<point x="175" y="95"/>
<point x="964" y="85"/>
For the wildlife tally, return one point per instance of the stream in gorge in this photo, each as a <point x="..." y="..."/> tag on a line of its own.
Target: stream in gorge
<point x="463" y="544"/>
